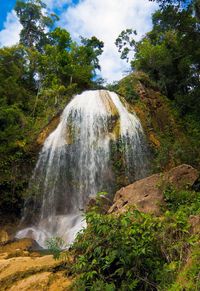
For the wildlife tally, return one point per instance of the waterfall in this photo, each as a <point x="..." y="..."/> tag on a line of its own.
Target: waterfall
<point x="78" y="160"/>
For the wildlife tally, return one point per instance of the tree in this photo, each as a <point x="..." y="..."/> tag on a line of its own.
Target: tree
<point x="93" y="49"/>
<point x="14" y="77"/>
<point x="181" y="4"/>
<point x="35" y="24"/>
<point x="170" y="54"/>
<point x="164" y="3"/>
<point x="125" y="43"/>
<point x="66" y="66"/>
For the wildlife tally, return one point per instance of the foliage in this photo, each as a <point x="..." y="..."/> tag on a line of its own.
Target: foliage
<point x="101" y="203"/>
<point x="34" y="23"/>
<point x="125" y="42"/>
<point x="188" y="278"/>
<point x="108" y="257"/>
<point x="65" y="63"/>
<point x="189" y="201"/>
<point x="181" y="4"/>
<point x="180" y="146"/>
<point x="169" y="56"/>
<point x="55" y="246"/>
<point x="169" y="53"/>
<point x="127" y="90"/>
<point x="94" y="50"/>
<point x="138" y="251"/>
<point x="164" y="3"/>
<point x="132" y="251"/>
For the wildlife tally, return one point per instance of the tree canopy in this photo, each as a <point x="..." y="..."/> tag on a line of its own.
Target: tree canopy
<point x="170" y="53"/>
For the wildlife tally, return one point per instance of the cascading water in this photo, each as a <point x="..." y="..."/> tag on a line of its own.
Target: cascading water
<point x="77" y="161"/>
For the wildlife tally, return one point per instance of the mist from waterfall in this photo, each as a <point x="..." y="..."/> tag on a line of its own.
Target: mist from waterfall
<point x="76" y="162"/>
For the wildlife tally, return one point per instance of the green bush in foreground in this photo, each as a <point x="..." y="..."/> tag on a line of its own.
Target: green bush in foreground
<point x="138" y="251"/>
<point x="134" y="251"/>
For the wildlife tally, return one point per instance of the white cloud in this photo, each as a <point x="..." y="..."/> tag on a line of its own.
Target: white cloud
<point x="56" y="4"/>
<point x="106" y="19"/>
<point x="9" y="35"/>
<point x="103" y="18"/>
<point x="12" y="27"/>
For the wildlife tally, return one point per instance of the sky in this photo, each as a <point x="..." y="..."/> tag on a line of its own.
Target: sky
<point x="103" y="18"/>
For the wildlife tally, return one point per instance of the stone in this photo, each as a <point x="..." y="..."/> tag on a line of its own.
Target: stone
<point x="18" y="247"/>
<point x="182" y="176"/>
<point x="154" y="140"/>
<point x="12" y="270"/>
<point x="4" y="237"/>
<point x="53" y="123"/>
<point x="146" y="195"/>
<point x="143" y="194"/>
<point x="35" y="282"/>
<point x="20" y="270"/>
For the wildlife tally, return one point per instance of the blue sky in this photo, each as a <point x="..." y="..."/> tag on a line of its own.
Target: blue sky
<point x="5" y="7"/>
<point x="103" y="18"/>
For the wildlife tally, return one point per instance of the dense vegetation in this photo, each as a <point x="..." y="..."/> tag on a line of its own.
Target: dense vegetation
<point x="132" y="251"/>
<point x="170" y="54"/>
<point x="37" y="78"/>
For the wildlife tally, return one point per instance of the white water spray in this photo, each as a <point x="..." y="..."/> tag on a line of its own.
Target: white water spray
<point x="76" y="162"/>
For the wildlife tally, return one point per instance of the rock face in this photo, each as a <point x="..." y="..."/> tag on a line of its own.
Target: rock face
<point x="146" y="194"/>
<point x="48" y="129"/>
<point x="23" y="270"/>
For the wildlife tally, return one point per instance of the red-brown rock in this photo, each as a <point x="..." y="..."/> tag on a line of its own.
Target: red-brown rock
<point x="147" y="195"/>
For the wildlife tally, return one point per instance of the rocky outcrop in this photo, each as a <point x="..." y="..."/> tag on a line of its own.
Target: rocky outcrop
<point x="16" y="248"/>
<point x="100" y="203"/>
<point x="168" y="139"/>
<point x="147" y="194"/>
<point x="21" y="269"/>
<point x="53" y="123"/>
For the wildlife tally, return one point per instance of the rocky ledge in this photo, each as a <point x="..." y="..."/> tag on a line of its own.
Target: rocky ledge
<point x="23" y="269"/>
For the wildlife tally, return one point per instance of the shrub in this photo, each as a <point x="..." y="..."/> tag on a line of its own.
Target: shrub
<point x="132" y="251"/>
<point x="188" y="201"/>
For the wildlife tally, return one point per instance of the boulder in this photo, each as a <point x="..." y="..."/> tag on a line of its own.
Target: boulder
<point x="146" y="195"/>
<point x="143" y="194"/>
